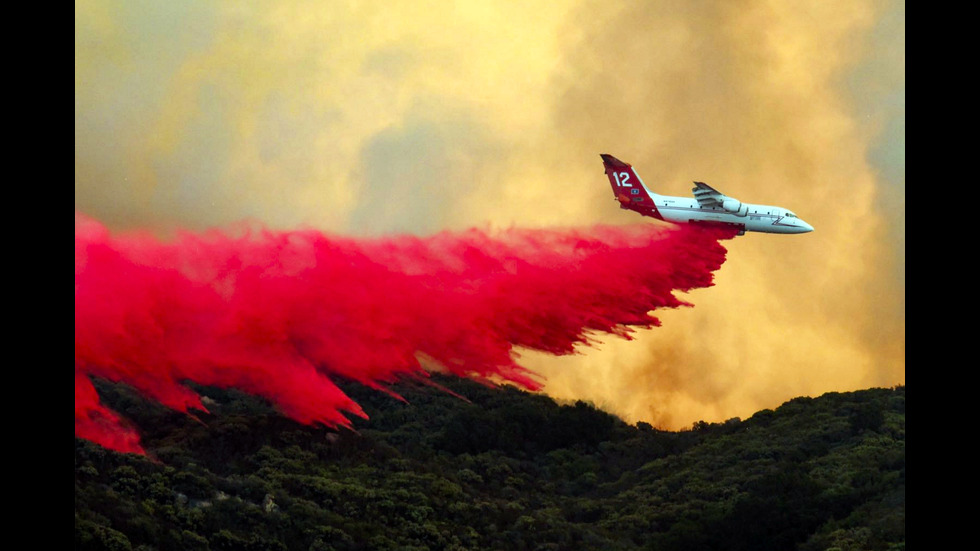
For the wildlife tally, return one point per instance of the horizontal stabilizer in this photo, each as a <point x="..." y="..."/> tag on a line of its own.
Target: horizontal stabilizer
<point x="609" y="160"/>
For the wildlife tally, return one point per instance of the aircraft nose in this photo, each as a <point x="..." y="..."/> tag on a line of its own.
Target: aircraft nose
<point x="807" y="228"/>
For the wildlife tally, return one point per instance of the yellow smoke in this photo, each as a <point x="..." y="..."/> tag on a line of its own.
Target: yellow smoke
<point x="374" y="117"/>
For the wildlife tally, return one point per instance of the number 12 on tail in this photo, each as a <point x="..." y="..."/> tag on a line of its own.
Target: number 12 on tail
<point x="622" y="179"/>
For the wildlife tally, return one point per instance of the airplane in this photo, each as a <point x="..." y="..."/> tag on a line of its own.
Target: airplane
<point x="708" y="207"/>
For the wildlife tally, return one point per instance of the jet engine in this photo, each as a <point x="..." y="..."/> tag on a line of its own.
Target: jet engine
<point x="731" y="205"/>
<point x="735" y="207"/>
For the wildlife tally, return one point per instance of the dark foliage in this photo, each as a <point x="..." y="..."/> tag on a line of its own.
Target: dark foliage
<point x="504" y="470"/>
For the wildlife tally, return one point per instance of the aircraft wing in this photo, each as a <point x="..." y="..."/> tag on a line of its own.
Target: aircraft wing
<point x="708" y="196"/>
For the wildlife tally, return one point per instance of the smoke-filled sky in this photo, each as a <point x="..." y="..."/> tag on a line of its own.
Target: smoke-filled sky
<point x="373" y="118"/>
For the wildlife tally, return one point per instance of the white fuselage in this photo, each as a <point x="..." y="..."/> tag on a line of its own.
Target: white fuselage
<point x="707" y="206"/>
<point x="759" y="218"/>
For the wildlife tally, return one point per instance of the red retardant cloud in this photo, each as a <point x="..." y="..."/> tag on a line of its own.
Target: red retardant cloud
<point x="281" y="314"/>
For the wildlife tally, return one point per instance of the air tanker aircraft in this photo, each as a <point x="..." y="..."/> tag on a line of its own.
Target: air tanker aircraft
<point x="709" y="206"/>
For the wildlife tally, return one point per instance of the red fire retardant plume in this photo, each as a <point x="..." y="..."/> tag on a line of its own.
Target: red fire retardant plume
<point x="282" y="314"/>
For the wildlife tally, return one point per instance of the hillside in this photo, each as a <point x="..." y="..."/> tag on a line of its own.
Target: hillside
<point x="504" y="470"/>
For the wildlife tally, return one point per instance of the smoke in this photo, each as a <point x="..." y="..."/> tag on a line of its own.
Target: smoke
<point x="756" y="98"/>
<point x="326" y="114"/>
<point x="282" y="314"/>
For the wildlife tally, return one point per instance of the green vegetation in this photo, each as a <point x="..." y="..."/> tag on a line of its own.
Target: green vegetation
<point x="504" y="470"/>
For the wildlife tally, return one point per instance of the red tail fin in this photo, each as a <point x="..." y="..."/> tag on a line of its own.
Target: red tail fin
<point x="628" y="188"/>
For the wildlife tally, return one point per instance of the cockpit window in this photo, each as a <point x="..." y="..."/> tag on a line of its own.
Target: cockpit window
<point x="790" y="214"/>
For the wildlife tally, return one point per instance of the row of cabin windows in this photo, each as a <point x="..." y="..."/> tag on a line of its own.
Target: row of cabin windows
<point x="787" y="214"/>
